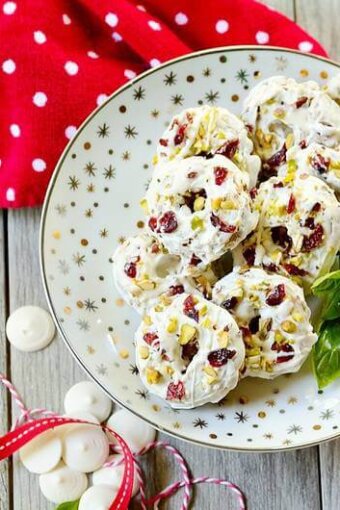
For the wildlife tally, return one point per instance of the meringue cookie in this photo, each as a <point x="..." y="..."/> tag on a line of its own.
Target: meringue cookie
<point x="113" y="475"/>
<point x="298" y="232"/>
<point x="43" y="453"/>
<point x="273" y="316"/>
<point x="80" y="415"/>
<point x="280" y="113"/>
<point x="316" y="160"/>
<point x="63" y="484"/>
<point x="86" y="448"/>
<point x="209" y="130"/>
<point x="190" y="352"/>
<point x="30" y="328"/>
<point x="143" y="270"/>
<point x="200" y="208"/>
<point x="98" y="497"/>
<point x="136" y="432"/>
<point x="86" y="396"/>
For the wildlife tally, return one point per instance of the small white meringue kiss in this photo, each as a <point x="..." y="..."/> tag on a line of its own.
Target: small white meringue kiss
<point x="86" y="396"/>
<point x="86" y="448"/>
<point x="136" y="432"/>
<point x="63" y="484"/>
<point x="98" y="497"/>
<point x="30" y="328"/>
<point x="43" y="453"/>
<point x="113" y="475"/>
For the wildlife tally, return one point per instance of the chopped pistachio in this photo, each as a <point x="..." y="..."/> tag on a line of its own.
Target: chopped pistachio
<point x="143" y="352"/>
<point x="278" y="336"/>
<point x="297" y="316"/>
<point x="146" y="284"/>
<point x="291" y="166"/>
<point x="152" y="375"/>
<point x="187" y="334"/>
<point x="159" y="308"/>
<point x="206" y="323"/>
<point x="165" y="300"/>
<point x="216" y="203"/>
<point x="289" y="140"/>
<point x="228" y="205"/>
<point x="199" y="204"/>
<point x="169" y="370"/>
<point x="147" y="320"/>
<point x="203" y="311"/>
<point x="172" y="325"/>
<point x="155" y="159"/>
<point x="197" y="223"/>
<point x="223" y="339"/>
<point x="288" y="326"/>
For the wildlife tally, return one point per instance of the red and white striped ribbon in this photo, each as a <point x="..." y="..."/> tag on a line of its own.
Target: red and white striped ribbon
<point x="27" y="427"/>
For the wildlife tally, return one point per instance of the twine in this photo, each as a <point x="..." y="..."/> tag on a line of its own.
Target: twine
<point x="27" y="415"/>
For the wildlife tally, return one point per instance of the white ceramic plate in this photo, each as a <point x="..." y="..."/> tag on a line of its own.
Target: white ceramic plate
<point x="93" y="203"/>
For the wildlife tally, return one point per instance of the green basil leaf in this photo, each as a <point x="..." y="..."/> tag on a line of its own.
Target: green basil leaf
<point x="69" y="505"/>
<point x="328" y="287"/>
<point x="326" y="354"/>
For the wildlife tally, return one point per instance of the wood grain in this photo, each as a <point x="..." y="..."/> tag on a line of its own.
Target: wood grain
<point x="322" y="19"/>
<point x="271" y="481"/>
<point x="4" y="408"/>
<point x="42" y="377"/>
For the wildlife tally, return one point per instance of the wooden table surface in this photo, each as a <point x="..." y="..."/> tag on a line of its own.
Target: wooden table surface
<point x="308" y="479"/>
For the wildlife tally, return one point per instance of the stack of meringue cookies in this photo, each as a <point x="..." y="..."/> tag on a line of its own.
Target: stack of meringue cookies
<point x="71" y="459"/>
<point x="261" y="188"/>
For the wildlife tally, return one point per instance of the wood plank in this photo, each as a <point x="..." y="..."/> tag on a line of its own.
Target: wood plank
<point x="322" y="20"/>
<point x="43" y="377"/>
<point x="4" y="400"/>
<point x="324" y="24"/>
<point x="284" y="6"/>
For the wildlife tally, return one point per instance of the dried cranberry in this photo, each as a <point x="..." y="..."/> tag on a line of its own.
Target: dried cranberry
<point x="250" y="128"/>
<point x="246" y="336"/>
<point x="130" y="269"/>
<point x="190" y="197"/>
<point x="192" y="175"/>
<point x="278" y="185"/>
<point x="303" y="144"/>
<point x="270" y="166"/>
<point x="220" y="174"/>
<point x="223" y="227"/>
<point x="280" y="236"/>
<point x="301" y="101"/>
<point x="228" y="149"/>
<point x="254" y="325"/>
<point x="314" y="240"/>
<point x="189" y="350"/>
<point x="316" y="207"/>
<point x="150" y="337"/>
<point x="271" y="267"/>
<point x="194" y="261"/>
<point x="229" y="304"/>
<point x="283" y="348"/>
<point x="249" y="255"/>
<point x="253" y="193"/>
<point x="168" y="222"/>
<point x="189" y="308"/>
<point x="220" y="357"/>
<point x="179" y="137"/>
<point x="153" y="223"/>
<point x="291" y="204"/>
<point x="163" y="142"/>
<point x="175" y="391"/>
<point x="310" y="223"/>
<point x="320" y="164"/>
<point x="175" y="289"/>
<point x="277" y="295"/>
<point x="294" y="270"/>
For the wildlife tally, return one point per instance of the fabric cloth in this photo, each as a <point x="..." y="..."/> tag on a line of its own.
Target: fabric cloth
<point x="60" y="59"/>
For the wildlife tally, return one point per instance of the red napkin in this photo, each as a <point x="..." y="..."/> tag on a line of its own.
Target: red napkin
<point x="61" y="58"/>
